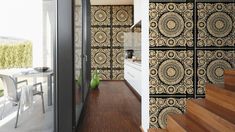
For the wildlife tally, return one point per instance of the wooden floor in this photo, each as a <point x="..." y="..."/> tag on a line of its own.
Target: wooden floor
<point x="112" y="108"/>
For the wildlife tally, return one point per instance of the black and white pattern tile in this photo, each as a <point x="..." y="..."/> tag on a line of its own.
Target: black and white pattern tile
<point x="200" y="49"/>
<point x="108" y="25"/>
<point x="160" y="108"/>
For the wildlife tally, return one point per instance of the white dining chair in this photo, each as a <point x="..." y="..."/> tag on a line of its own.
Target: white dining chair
<point x="13" y="93"/>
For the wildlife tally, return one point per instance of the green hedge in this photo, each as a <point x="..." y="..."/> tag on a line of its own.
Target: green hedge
<point x="16" y="55"/>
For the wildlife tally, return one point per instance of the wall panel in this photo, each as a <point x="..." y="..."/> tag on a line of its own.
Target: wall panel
<point x="108" y="26"/>
<point x="190" y="45"/>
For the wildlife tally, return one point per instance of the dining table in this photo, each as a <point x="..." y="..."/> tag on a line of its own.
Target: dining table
<point x="31" y="73"/>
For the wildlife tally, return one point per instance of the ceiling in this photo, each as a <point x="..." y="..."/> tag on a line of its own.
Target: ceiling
<point x="111" y="2"/>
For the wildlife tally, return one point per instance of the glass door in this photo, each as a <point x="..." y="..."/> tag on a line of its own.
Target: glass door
<point x="78" y="68"/>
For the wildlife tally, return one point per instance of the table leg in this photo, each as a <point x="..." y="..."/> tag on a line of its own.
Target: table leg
<point x="49" y="89"/>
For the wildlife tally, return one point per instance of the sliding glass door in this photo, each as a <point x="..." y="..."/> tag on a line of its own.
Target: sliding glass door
<point x="78" y="74"/>
<point x="81" y="56"/>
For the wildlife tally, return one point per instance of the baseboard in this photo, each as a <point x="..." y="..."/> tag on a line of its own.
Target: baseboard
<point x="137" y="95"/>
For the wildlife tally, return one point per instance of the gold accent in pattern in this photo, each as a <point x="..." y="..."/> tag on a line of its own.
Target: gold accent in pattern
<point x="171" y="72"/>
<point x="100" y="58"/>
<point x="216" y="24"/>
<point x="100" y="37"/>
<point x="122" y="15"/>
<point x="118" y="58"/>
<point x="103" y="74"/>
<point x="211" y="65"/>
<point x="103" y="51"/>
<point x="160" y="108"/>
<point x="171" y="24"/>
<point x="118" y="75"/>
<point x="100" y="15"/>
<point x="118" y="36"/>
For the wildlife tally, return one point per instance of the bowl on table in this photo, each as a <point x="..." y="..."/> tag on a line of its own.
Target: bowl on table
<point x="41" y="69"/>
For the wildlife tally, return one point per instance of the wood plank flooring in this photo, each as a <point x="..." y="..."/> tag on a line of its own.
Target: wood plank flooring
<point x="111" y="108"/>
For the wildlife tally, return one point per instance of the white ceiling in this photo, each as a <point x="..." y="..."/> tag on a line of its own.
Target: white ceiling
<point x="111" y="2"/>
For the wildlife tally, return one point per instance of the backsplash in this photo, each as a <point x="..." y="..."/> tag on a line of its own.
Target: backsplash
<point x="189" y="46"/>
<point x="108" y="24"/>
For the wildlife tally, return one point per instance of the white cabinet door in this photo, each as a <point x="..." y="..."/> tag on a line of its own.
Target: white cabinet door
<point x="132" y="74"/>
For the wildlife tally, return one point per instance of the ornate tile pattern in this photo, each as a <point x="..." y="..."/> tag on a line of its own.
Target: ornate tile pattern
<point x="118" y="74"/>
<point x="118" y="58"/>
<point x="211" y="65"/>
<point x="100" y="15"/>
<point x="216" y="24"/>
<point x="161" y="107"/>
<point x="100" y="37"/>
<point x="122" y="15"/>
<point x="78" y="41"/>
<point x="171" y="24"/>
<point x="108" y="23"/>
<point x="171" y="72"/>
<point x="118" y="36"/>
<point x="77" y="16"/>
<point x="104" y="74"/>
<point x="100" y="58"/>
<point x="171" y="33"/>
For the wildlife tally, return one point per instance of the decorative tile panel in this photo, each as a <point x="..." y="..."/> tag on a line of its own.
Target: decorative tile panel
<point x="103" y="74"/>
<point x="100" y="58"/>
<point x="216" y="24"/>
<point x="100" y="15"/>
<point x="118" y="36"/>
<point x="160" y="108"/>
<point x="100" y="37"/>
<point x="118" y="58"/>
<point x="108" y="24"/>
<point x="171" y="24"/>
<point x="122" y="15"/>
<point x="211" y="66"/>
<point x="118" y="74"/>
<point x="77" y="16"/>
<point x="171" y="72"/>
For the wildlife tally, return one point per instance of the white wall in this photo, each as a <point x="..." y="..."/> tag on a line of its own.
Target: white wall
<point x="145" y="64"/>
<point x="23" y="19"/>
<point x="137" y="11"/>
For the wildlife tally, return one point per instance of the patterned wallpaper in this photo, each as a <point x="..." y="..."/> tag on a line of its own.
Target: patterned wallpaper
<point x="108" y="23"/>
<point x="186" y="52"/>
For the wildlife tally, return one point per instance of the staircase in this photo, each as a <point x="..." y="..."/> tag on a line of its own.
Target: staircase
<point x="214" y="113"/>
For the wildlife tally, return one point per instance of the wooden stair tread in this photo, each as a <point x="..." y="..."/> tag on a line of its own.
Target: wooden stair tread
<point x="220" y="95"/>
<point x="185" y="122"/>
<point x="229" y="77"/>
<point x="221" y="87"/>
<point x="157" y="130"/>
<point x="215" y="116"/>
<point x="216" y="109"/>
<point x="229" y="72"/>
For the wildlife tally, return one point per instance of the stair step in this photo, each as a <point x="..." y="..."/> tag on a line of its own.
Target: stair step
<point x="157" y="130"/>
<point x="218" y="118"/>
<point x="183" y="123"/>
<point x="229" y="77"/>
<point x="221" y="95"/>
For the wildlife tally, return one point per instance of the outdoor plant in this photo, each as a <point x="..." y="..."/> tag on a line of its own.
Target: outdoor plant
<point x="16" y="55"/>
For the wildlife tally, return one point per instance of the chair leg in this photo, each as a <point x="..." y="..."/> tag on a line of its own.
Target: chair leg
<point x="4" y="105"/>
<point x="17" y="116"/>
<point x="40" y="84"/>
<point x="43" y="107"/>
